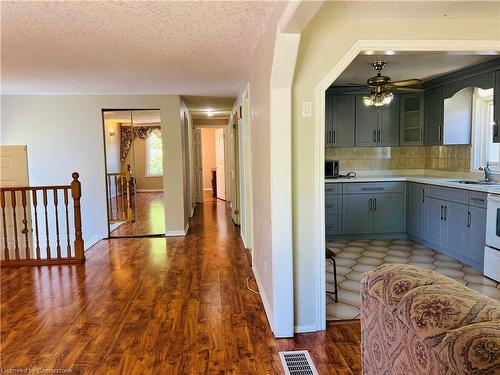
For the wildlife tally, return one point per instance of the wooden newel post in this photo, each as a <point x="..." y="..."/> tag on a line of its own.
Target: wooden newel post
<point x="76" y="194"/>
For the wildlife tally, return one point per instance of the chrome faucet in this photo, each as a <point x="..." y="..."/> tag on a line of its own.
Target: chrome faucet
<point x="487" y="172"/>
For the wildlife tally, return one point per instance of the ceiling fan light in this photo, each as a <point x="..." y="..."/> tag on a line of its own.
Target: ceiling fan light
<point x="367" y="100"/>
<point x="387" y="98"/>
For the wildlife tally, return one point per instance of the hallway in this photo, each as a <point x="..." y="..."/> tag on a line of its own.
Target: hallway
<point x="156" y="306"/>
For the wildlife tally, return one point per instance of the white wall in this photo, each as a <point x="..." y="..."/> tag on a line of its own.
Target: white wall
<point x="65" y="134"/>
<point x="324" y="42"/>
<point x="259" y="84"/>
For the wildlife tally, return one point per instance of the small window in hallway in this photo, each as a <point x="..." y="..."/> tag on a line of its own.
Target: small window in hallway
<point x="154" y="155"/>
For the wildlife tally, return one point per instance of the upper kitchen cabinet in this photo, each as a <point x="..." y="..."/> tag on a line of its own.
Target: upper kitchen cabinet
<point x="377" y="126"/>
<point x="496" y="108"/>
<point x="339" y="120"/>
<point x="433" y="104"/>
<point x="412" y="119"/>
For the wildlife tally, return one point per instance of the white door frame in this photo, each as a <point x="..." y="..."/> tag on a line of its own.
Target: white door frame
<point x="319" y="122"/>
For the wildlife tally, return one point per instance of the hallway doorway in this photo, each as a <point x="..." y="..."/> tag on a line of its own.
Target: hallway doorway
<point x="134" y="172"/>
<point x="213" y="163"/>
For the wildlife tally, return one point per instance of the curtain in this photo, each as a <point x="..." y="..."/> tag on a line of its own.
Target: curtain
<point x="128" y="133"/>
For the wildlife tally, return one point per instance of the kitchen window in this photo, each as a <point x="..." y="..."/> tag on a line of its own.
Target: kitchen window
<point x="483" y="148"/>
<point x="154" y="155"/>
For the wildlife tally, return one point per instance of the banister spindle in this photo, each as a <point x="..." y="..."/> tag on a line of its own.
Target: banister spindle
<point x="58" y="243"/>
<point x="4" y="226"/>
<point x="76" y="193"/>
<point x="25" y="222"/>
<point x="47" y="230"/>
<point x="68" y="245"/>
<point x="35" y="209"/>
<point x="14" y="217"/>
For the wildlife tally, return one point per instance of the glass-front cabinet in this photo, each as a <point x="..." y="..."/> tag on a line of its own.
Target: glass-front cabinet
<point x="412" y="119"/>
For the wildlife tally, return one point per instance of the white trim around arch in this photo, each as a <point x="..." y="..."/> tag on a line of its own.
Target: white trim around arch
<point x="484" y="46"/>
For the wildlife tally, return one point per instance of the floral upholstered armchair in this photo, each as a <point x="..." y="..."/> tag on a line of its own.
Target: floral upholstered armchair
<point x="415" y="321"/>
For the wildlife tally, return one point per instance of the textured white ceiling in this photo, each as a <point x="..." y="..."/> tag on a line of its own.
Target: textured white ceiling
<point x="135" y="47"/>
<point x="405" y="65"/>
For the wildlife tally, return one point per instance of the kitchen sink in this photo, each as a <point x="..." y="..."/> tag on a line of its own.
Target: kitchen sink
<point x="476" y="182"/>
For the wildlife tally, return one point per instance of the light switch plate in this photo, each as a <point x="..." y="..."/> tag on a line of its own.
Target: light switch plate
<point x="306" y="109"/>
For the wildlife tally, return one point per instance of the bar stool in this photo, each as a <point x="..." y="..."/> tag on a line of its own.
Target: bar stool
<point x="330" y="255"/>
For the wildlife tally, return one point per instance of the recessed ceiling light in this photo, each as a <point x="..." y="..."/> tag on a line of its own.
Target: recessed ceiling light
<point x="210" y="113"/>
<point x="369" y="52"/>
<point x="390" y="52"/>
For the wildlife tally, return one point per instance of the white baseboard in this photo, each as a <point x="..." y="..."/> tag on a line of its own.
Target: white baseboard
<point x="93" y="240"/>
<point x="263" y="297"/>
<point x="149" y="190"/>
<point x="305" y="328"/>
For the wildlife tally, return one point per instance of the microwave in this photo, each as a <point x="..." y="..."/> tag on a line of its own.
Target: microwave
<point x="331" y="168"/>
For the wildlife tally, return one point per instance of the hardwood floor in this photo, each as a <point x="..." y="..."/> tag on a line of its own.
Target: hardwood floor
<point x="149" y="216"/>
<point x="156" y="306"/>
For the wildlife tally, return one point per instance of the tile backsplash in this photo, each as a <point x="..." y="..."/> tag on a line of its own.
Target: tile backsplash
<point x="447" y="158"/>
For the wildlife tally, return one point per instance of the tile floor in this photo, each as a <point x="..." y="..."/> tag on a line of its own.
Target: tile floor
<point x="356" y="257"/>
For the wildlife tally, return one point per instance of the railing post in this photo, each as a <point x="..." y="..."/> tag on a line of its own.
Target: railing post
<point x="76" y="193"/>
<point x="128" y="178"/>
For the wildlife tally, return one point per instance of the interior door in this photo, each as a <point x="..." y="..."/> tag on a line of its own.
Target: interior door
<point x="219" y="163"/>
<point x="14" y="172"/>
<point x="198" y="166"/>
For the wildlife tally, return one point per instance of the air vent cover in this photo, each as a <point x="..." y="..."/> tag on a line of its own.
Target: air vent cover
<point x="298" y="362"/>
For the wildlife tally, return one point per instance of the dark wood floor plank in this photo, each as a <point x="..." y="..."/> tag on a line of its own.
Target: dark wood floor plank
<point x="157" y="306"/>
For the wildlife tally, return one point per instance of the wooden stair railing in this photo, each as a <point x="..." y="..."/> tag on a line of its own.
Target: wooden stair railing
<point x="30" y="241"/>
<point x="120" y="203"/>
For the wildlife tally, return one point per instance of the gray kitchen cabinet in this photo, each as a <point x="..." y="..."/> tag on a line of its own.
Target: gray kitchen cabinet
<point x="358" y="218"/>
<point x="496" y="108"/>
<point x="377" y="126"/>
<point x="416" y="210"/>
<point x="411" y="119"/>
<point x="455" y="225"/>
<point x="388" y="124"/>
<point x="434" y="220"/>
<point x="476" y="234"/>
<point x="339" y="120"/>
<point x="333" y="209"/>
<point x="433" y="104"/>
<point x="388" y="213"/>
<point x="366" y="124"/>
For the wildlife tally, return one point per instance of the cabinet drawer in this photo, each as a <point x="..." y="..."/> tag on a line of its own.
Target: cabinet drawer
<point x="478" y="199"/>
<point x="375" y="187"/>
<point x="333" y="204"/>
<point x="333" y="225"/>
<point x="333" y="188"/>
<point x="448" y="194"/>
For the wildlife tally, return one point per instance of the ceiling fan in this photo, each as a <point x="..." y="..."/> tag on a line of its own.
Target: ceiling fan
<point x="382" y="87"/>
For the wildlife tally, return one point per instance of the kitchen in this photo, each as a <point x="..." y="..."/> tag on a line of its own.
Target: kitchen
<point x="402" y="181"/>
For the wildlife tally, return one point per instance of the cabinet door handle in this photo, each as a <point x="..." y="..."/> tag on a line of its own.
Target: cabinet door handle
<point x="334" y="137"/>
<point x="439" y="133"/>
<point x="477" y="199"/>
<point x="372" y="189"/>
<point x="423" y="195"/>
<point x="495" y="131"/>
<point x="378" y="136"/>
<point x="445" y="213"/>
<point x="441" y="212"/>
<point x="329" y="136"/>
<point x="375" y="204"/>
<point x="469" y="219"/>
<point x="370" y="204"/>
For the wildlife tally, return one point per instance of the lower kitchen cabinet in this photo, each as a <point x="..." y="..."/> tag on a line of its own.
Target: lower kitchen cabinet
<point x="456" y="229"/>
<point x="476" y="235"/>
<point x="374" y="213"/>
<point x="416" y="210"/>
<point x="388" y="213"/>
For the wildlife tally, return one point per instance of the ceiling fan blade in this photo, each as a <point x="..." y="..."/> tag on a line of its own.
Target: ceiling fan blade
<point x="407" y="82"/>
<point x="407" y="89"/>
